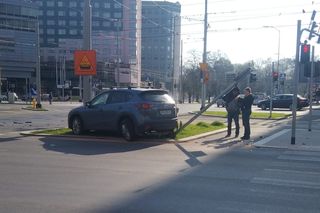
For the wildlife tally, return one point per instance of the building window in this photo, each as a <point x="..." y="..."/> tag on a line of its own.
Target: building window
<point x="95" y="41"/>
<point x="62" y="31"/>
<point x="73" y="32"/>
<point x="50" y="40"/>
<point x="73" y="23"/>
<point x="40" y="22"/>
<point x="106" y="5"/>
<point x="96" y="5"/>
<point x="39" y="3"/>
<point x="95" y="23"/>
<point x="132" y="25"/>
<point x="50" y="3"/>
<point x="73" y="4"/>
<point x="61" y="13"/>
<point x="132" y="43"/>
<point x="96" y="14"/>
<point x="50" y="31"/>
<point x="132" y="35"/>
<point x="72" y="13"/>
<point x="62" y="22"/>
<point x="115" y="52"/>
<point x="106" y="42"/>
<point x="41" y="31"/>
<point x="116" y="24"/>
<point x="106" y="15"/>
<point x="132" y="16"/>
<point x="117" y="6"/>
<point x="168" y="48"/>
<point x="106" y="24"/>
<point x="50" y="22"/>
<point x="149" y="48"/>
<point x="133" y="61"/>
<point x="40" y="13"/>
<point x="116" y="43"/>
<point x="62" y="51"/>
<point x="133" y="6"/>
<point x="156" y="48"/>
<point x="107" y="51"/>
<point x="50" y="13"/>
<point x="62" y="41"/>
<point x="60" y="4"/>
<point x="117" y="15"/>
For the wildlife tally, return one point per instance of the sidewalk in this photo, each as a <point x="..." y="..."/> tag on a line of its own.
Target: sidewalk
<point x="304" y="140"/>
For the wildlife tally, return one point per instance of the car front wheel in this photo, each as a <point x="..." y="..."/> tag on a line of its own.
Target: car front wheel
<point x="127" y="130"/>
<point x="263" y="107"/>
<point x="77" y="127"/>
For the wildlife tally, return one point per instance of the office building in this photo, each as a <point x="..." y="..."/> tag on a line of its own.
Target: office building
<point x="160" y="31"/>
<point x="18" y="21"/>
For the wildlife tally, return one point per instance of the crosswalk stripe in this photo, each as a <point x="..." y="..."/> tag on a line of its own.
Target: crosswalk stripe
<point x="291" y="183"/>
<point x="298" y="158"/>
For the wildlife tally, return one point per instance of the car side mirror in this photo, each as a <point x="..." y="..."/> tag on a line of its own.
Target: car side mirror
<point x="88" y="104"/>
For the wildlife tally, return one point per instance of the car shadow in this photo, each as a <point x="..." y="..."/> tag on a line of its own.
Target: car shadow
<point x="89" y="146"/>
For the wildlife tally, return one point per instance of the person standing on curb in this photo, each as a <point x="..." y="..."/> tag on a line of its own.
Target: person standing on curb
<point x="50" y="98"/>
<point x="246" y="104"/>
<point x="233" y="109"/>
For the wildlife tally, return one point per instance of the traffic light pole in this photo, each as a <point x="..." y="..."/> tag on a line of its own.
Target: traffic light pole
<point x="228" y="89"/>
<point x="272" y="87"/>
<point x="311" y="88"/>
<point x="204" y="60"/>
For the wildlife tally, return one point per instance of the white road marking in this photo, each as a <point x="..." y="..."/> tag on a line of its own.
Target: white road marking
<point x="266" y="140"/>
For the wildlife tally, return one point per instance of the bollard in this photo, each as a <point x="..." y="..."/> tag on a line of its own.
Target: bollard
<point x="34" y="103"/>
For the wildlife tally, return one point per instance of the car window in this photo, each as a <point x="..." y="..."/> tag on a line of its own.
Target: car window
<point x="276" y="98"/>
<point x="288" y="97"/>
<point x="128" y="96"/>
<point x="156" y="96"/>
<point x="100" y="99"/>
<point x="117" y="97"/>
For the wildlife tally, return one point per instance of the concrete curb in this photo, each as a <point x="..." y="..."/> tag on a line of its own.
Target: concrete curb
<point x="217" y="116"/>
<point x="38" y="110"/>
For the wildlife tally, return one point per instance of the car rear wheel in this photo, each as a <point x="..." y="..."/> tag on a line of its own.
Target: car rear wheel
<point x="263" y="107"/>
<point x="77" y="127"/>
<point x="127" y="130"/>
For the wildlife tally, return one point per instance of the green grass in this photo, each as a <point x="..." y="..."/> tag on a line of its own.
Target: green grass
<point x="63" y="131"/>
<point x="253" y="115"/>
<point x="199" y="128"/>
<point x="30" y="107"/>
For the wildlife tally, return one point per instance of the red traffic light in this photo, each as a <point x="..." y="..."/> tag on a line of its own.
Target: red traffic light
<point x="305" y="49"/>
<point x="275" y="74"/>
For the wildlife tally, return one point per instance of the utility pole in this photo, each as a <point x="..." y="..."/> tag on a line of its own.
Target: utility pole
<point x="87" y="45"/>
<point x="180" y="89"/>
<point x="118" y="55"/>
<point x="272" y="87"/>
<point x="38" y="105"/>
<point x="311" y="88"/>
<point x="204" y="59"/>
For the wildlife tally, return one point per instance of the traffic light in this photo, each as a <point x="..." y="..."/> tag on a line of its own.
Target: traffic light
<point x="275" y="76"/>
<point x="232" y="94"/>
<point x="276" y="86"/>
<point x="305" y="54"/>
<point x="160" y="85"/>
<point x="307" y="70"/>
<point x="282" y="82"/>
<point x="317" y="69"/>
<point x="253" y="77"/>
<point x="313" y="26"/>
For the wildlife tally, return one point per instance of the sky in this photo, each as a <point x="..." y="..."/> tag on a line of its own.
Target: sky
<point x="237" y="27"/>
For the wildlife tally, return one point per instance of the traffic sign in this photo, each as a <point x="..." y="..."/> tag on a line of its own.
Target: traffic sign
<point x="283" y="76"/>
<point x="147" y="79"/>
<point x="203" y="66"/>
<point x="85" y="62"/>
<point x="33" y="91"/>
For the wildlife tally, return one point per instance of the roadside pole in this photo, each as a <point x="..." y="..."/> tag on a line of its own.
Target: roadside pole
<point x="311" y="88"/>
<point x="295" y="85"/>
<point x="38" y="68"/>
<point x="87" y="79"/>
<point x="272" y="86"/>
<point x="204" y="59"/>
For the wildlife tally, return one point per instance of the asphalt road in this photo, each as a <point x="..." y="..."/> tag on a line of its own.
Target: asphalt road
<point x="210" y="175"/>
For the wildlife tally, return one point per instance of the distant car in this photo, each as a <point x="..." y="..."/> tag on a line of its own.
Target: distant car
<point x="221" y="102"/>
<point x="45" y="97"/>
<point x="130" y="111"/>
<point x="26" y="98"/>
<point x="284" y="101"/>
<point x="4" y="97"/>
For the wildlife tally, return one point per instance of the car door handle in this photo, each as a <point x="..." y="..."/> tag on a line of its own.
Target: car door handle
<point x="120" y="107"/>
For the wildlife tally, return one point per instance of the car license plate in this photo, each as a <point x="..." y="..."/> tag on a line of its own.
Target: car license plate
<point x="165" y="112"/>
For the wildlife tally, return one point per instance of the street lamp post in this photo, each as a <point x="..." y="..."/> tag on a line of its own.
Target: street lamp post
<point x="278" y="48"/>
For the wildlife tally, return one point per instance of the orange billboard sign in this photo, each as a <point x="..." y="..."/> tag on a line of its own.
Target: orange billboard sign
<point x="85" y="62"/>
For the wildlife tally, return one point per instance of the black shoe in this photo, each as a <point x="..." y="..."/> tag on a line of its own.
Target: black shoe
<point x="228" y="135"/>
<point x="236" y="136"/>
<point x="245" y="138"/>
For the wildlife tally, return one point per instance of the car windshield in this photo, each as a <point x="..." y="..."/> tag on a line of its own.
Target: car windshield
<point x="156" y="96"/>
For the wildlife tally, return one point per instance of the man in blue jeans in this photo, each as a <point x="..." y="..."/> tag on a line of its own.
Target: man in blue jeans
<point x="246" y="104"/>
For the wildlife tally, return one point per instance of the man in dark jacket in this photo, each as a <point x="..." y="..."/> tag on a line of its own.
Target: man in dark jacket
<point x="246" y="104"/>
<point x="233" y="110"/>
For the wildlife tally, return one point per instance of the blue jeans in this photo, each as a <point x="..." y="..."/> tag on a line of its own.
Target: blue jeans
<point x="235" y="117"/>
<point x="246" y="121"/>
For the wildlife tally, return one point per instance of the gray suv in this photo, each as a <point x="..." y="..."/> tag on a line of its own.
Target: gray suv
<point x="131" y="112"/>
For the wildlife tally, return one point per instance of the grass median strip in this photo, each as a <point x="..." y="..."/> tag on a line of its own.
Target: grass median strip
<point x="253" y="115"/>
<point x="190" y="130"/>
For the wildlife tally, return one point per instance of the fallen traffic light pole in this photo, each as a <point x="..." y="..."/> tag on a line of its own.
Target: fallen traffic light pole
<point x="227" y="90"/>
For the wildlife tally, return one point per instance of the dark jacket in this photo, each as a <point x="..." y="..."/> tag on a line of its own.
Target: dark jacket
<point x="233" y="106"/>
<point x="246" y="102"/>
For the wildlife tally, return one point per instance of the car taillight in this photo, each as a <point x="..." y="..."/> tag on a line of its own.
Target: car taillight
<point x="301" y="101"/>
<point x="144" y="105"/>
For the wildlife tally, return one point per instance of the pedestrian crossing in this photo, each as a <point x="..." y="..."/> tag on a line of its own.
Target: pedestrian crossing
<point x="292" y="169"/>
